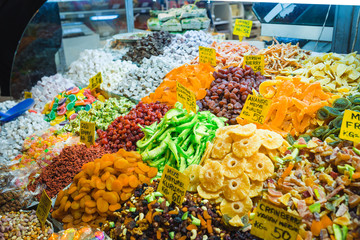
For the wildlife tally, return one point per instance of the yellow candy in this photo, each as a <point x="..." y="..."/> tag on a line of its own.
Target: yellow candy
<point x="101" y="98"/>
<point x="70" y="113"/>
<point x="53" y="123"/>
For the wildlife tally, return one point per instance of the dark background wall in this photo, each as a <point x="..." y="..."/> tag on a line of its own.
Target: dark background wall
<point x="14" y="16"/>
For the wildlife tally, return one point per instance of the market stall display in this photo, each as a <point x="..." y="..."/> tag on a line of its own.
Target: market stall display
<point x="295" y="161"/>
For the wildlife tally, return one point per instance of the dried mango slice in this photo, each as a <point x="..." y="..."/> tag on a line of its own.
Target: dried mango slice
<point x="211" y="176"/>
<point x="259" y="167"/>
<point x="247" y="146"/>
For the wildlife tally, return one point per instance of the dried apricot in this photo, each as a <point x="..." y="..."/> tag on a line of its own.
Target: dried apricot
<point x="98" y="194"/>
<point x="63" y="202"/>
<point x="72" y="188"/>
<point x="105" y="164"/>
<point x="144" y="179"/>
<point x="93" y="181"/>
<point x="117" y="185"/>
<point x="74" y="194"/>
<point x="114" y="207"/>
<point x="109" y="183"/>
<point x="133" y="181"/>
<point x="83" y="200"/>
<point x="75" y="205"/>
<point x="108" y="158"/>
<point x="79" y="175"/>
<point x="100" y="184"/>
<point x="143" y="167"/>
<point x="129" y="171"/>
<point x="97" y="168"/>
<point x="90" y="203"/>
<point x="152" y="172"/>
<point x="131" y="159"/>
<point x="127" y="190"/>
<point x="89" y="168"/>
<point x="125" y="196"/>
<point x="77" y="214"/>
<point x="110" y="170"/>
<point x="110" y="197"/>
<point x="89" y="210"/>
<point x="121" y="163"/>
<point x="124" y="179"/>
<point x="79" y="196"/>
<point x="85" y="190"/>
<point x="59" y="197"/>
<point x="67" y="205"/>
<point x="139" y="171"/>
<point x="87" y="217"/>
<point x="68" y="218"/>
<point x="102" y="205"/>
<point x="105" y="176"/>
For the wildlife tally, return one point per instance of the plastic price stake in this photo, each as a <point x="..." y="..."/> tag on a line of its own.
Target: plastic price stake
<point x="95" y="81"/>
<point x="256" y="62"/>
<point x="350" y="126"/>
<point x="207" y="55"/>
<point x="43" y="208"/>
<point x="173" y="184"/>
<point x="186" y="97"/>
<point x="242" y="28"/>
<point x="87" y="133"/>
<point x="255" y="109"/>
<point x="273" y="223"/>
<point x="27" y="95"/>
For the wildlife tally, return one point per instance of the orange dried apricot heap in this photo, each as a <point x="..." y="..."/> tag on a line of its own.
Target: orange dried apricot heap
<point x="197" y="78"/>
<point x="100" y="188"/>
<point x="294" y="105"/>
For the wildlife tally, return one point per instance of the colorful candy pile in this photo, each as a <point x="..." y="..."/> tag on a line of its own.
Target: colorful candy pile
<point x="83" y="233"/>
<point x="40" y="149"/>
<point x="67" y="103"/>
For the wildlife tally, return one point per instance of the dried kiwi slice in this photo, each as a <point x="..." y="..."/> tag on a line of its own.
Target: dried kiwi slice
<point x="341" y="104"/>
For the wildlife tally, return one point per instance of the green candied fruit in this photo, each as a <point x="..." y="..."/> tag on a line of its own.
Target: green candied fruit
<point x="341" y="104"/>
<point x="336" y="123"/>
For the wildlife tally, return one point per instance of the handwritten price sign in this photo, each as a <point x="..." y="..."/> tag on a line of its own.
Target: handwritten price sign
<point x="273" y="223"/>
<point x="186" y="97"/>
<point x="95" y="81"/>
<point x="207" y="55"/>
<point x="173" y="185"/>
<point x="255" y="109"/>
<point x="87" y="132"/>
<point x="350" y="126"/>
<point x="27" y="95"/>
<point x="43" y="209"/>
<point x="256" y="62"/>
<point x="242" y="27"/>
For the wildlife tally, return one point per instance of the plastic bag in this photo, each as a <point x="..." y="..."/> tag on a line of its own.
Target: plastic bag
<point x="83" y="233"/>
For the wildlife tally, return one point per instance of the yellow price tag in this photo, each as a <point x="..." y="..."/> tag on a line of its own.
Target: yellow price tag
<point x="43" y="209"/>
<point x="273" y="223"/>
<point x="242" y="27"/>
<point x="256" y="62"/>
<point x="207" y="55"/>
<point x="87" y="133"/>
<point x="350" y="126"/>
<point x="27" y="95"/>
<point x="186" y="97"/>
<point x="255" y="109"/>
<point x="173" y="184"/>
<point x="95" y="81"/>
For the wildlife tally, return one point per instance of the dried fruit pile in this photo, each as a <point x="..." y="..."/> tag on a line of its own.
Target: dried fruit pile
<point x="150" y="45"/>
<point x="228" y="92"/>
<point x="283" y="58"/>
<point x="333" y="117"/>
<point x="148" y="215"/>
<point x="57" y="175"/>
<point x="230" y="53"/>
<point x="196" y="78"/>
<point x="320" y="184"/>
<point x="294" y="105"/>
<point x="100" y="188"/>
<point x="179" y="140"/>
<point x="337" y="73"/>
<point x="124" y="131"/>
<point x="235" y="168"/>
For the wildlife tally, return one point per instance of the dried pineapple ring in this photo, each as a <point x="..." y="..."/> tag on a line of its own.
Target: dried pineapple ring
<point x="255" y="188"/>
<point x="270" y="139"/>
<point x="207" y="195"/>
<point x="223" y="132"/>
<point x="211" y="176"/>
<point x="236" y="189"/>
<point x="247" y="146"/>
<point x="259" y="167"/>
<point x="222" y="146"/>
<point x="209" y="147"/>
<point x="232" y="166"/>
<point x="239" y="208"/>
<point x="192" y="172"/>
<point x="242" y="131"/>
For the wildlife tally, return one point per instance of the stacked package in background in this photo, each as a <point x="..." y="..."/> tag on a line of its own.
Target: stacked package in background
<point x="189" y="17"/>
